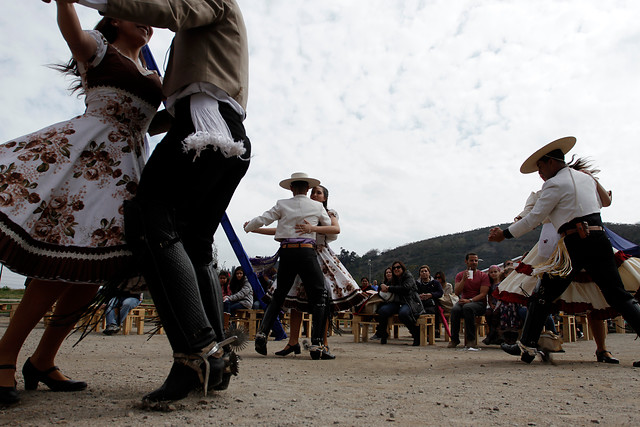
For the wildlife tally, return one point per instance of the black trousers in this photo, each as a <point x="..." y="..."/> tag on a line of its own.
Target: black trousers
<point x="180" y="201"/>
<point x="302" y="262"/>
<point x="594" y="254"/>
<point x="197" y="191"/>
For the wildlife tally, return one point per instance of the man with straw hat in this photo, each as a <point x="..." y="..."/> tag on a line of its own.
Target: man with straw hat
<point x="297" y="257"/>
<point x="570" y="200"/>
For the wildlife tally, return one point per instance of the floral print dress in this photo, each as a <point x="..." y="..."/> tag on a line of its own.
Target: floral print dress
<point x="62" y="187"/>
<point x="343" y="291"/>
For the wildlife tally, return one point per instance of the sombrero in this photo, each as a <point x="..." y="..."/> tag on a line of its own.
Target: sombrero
<point x="299" y="176"/>
<point x="563" y="144"/>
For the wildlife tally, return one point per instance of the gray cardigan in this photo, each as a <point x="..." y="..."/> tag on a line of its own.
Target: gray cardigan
<point x="245" y="295"/>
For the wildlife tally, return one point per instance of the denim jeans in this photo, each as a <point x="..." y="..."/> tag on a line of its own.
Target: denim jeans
<point x="387" y="310"/>
<point x="125" y="304"/>
<point x="232" y="307"/>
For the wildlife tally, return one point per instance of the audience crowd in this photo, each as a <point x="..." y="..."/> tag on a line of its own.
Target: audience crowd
<point x="473" y="295"/>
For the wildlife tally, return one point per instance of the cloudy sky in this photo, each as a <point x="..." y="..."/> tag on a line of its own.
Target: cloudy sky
<point x="415" y="114"/>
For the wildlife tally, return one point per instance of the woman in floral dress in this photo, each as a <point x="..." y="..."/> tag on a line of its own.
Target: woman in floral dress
<point x="61" y="193"/>
<point x="343" y="291"/>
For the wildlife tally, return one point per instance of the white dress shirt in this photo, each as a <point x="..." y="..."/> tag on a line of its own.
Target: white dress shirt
<point x="289" y="213"/>
<point x="569" y="194"/>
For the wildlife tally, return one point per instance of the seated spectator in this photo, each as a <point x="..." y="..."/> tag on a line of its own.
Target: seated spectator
<point x="406" y="303"/>
<point x="449" y="298"/>
<point x="492" y="314"/>
<point x="429" y="291"/>
<point x="375" y="286"/>
<point x="472" y="285"/>
<point x="366" y="286"/>
<point x="124" y="302"/>
<point x="388" y="275"/>
<point x="224" y="278"/>
<point x="510" y="321"/>
<point x="241" y="293"/>
<point x="266" y="279"/>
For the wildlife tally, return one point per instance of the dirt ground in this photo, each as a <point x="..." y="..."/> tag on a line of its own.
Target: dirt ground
<point x="368" y="384"/>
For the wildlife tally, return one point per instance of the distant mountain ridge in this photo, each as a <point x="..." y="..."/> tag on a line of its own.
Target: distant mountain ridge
<point x="447" y="253"/>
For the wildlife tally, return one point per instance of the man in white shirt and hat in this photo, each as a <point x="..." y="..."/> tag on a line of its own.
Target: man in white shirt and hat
<point x="297" y="257"/>
<point x="570" y="200"/>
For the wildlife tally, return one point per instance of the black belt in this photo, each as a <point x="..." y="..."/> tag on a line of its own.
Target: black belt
<point x="575" y="230"/>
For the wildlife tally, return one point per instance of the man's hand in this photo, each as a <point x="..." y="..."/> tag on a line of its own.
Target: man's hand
<point x="425" y="297"/>
<point x="496" y="235"/>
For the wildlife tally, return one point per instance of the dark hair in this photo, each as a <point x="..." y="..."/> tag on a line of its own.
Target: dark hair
<point x="299" y="185"/>
<point x="583" y="164"/>
<point x="110" y="32"/>
<point x="466" y="257"/>
<point x="395" y="278"/>
<point x="556" y="155"/>
<point x="364" y="277"/>
<point x="326" y="195"/>
<point x="425" y="266"/>
<point x="235" y="285"/>
<point x="394" y="263"/>
<point x="224" y="273"/>
<point x="441" y="273"/>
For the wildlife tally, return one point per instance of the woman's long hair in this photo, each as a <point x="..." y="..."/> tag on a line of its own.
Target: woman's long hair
<point x="110" y="32"/>
<point x="583" y="164"/>
<point x="326" y="196"/>
<point x="395" y="279"/>
<point x="235" y="285"/>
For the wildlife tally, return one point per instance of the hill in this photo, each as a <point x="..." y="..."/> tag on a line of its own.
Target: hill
<point x="447" y="253"/>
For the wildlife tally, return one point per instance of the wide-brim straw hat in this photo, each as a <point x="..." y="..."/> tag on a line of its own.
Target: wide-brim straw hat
<point x="564" y="144"/>
<point x="299" y="176"/>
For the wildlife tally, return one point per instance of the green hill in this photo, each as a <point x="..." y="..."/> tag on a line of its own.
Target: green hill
<point x="447" y="253"/>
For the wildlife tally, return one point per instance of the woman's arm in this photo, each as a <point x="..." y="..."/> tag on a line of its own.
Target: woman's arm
<point x="438" y="291"/>
<point x="605" y="196"/>
<point x="266" y="231"/>
<point x="407" y="285"/>
<point x="306" y="228"/>
<point x="82" y="45"/>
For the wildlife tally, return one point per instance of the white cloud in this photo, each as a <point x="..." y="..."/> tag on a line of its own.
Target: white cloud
<point x="416" y="114"/>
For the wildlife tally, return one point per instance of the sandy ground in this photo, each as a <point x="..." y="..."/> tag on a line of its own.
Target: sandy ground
<point x="368" y="384"/>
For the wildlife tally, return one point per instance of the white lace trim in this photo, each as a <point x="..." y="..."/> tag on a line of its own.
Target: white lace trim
<point x="210" y="129"/>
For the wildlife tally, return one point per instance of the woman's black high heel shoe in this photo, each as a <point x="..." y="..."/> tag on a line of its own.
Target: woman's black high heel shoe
<point x="605" y="356"/>
<point x="289" y="349"/>
<point x="9" y="395"/>
<point x="32" y="377"/>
